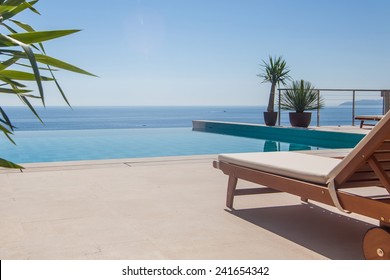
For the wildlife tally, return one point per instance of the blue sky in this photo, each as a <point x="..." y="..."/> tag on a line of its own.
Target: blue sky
<point x="208" y="52"/>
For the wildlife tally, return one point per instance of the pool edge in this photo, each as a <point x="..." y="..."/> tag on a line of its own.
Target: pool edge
<point x="312" y="137"/>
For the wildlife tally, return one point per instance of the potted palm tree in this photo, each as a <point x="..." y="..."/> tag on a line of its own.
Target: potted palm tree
<point x="275" y="72"/>
<point x="301" y="96"/>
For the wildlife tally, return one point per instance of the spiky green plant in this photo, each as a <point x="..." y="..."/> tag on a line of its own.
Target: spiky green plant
<point x="301" y="96"/>
<point x="276" y="72"/>
<point x="23" y="59"/>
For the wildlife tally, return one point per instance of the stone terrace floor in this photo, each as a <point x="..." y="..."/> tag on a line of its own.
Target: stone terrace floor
<point x="161" y="208"/>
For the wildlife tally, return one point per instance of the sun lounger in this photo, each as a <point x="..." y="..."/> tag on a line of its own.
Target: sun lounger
<point x="364" y="118"/>
<point x="331" y="181"/>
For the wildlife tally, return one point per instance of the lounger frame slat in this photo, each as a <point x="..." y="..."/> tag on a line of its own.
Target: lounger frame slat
<point x="358" y="184"/>
<point x="385" y="146"/>
<point x="382" y="156"/>
<point x="365" y="176"/>
<point x="385" y="165"/>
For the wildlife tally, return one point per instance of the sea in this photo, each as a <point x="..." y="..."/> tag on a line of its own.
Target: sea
<point x="84" y="118"/>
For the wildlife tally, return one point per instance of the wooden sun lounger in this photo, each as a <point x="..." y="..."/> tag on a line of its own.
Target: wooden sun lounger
<point x="325" y="180"/>
<point x="364" y="118"/>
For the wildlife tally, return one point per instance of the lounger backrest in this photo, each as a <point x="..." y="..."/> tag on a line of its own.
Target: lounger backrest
<point x="357" y="167"/>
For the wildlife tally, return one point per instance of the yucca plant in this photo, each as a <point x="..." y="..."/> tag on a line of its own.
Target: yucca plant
<point x="301" y="96"/>
<point x="23" y="59"/>
<point x="274" y="71"/>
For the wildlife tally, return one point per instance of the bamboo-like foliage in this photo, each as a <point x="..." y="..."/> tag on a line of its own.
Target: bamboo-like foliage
<point x="274" y="71"/>
<point x="301" y="96"/>
<point x="22" y="59"/>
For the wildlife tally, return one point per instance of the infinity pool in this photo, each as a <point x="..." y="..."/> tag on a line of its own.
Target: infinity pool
<point x="69" y="145"/>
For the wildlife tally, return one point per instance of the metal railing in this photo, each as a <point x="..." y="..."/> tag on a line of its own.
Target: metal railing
<point x="351" y="96"/>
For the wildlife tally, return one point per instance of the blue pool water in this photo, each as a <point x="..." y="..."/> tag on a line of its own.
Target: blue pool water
<point x="69" y="145"/>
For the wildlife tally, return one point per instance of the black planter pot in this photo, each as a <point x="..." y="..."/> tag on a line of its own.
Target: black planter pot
<point x="300" y="119"/>
<point x="270" y="118"/>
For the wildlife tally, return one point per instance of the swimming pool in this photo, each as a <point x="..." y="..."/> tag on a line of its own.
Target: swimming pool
<point x="70" y="145"/>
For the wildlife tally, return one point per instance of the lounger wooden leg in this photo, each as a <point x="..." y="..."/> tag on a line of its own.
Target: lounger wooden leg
<point x="361" y="124"/>
<point x="232" y="184"/>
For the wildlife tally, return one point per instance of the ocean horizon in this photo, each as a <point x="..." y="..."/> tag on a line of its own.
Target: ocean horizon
<point x="124" y="117"/>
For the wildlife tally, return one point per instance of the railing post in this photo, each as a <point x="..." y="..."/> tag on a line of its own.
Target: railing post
<point x="318" y="108"/>
<point x="386" y="100"/>
<point x="383" y="102"/>
<point x="279" y="113"/>
<point x="353" y="107"/>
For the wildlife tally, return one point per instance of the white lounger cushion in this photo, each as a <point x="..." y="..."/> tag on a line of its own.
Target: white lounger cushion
<point x="305" y="167"/>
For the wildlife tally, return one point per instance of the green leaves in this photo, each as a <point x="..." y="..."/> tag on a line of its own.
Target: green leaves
<point x="60" y="64"/>
<point x="19" y="75"/>
<point x="23" y="58"/>
<point x="301" y="96"/>
<point x="8" y="164"/>
<point x="275" y="72"/>
<point x="35" y="37"/>
<point x="46" y="60"/>
<point x="14" y="7"/>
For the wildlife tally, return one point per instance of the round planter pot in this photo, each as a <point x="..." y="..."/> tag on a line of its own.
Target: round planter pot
<point x="270" y="118"/>
<point x="300" y="119"/>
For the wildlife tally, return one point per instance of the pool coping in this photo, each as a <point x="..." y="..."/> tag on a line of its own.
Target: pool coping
<point x="325" y="138"/>
<point x="134" y="162"/>
<point x="105" y="163"/>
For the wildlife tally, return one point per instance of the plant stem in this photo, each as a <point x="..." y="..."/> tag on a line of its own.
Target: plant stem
<point x="271" y="100"/>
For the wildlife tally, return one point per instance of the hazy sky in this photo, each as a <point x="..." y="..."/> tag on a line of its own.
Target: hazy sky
<point x="208" y="52"/>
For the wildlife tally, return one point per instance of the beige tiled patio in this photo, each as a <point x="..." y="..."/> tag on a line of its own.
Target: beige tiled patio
<point x="160" y="208"/>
